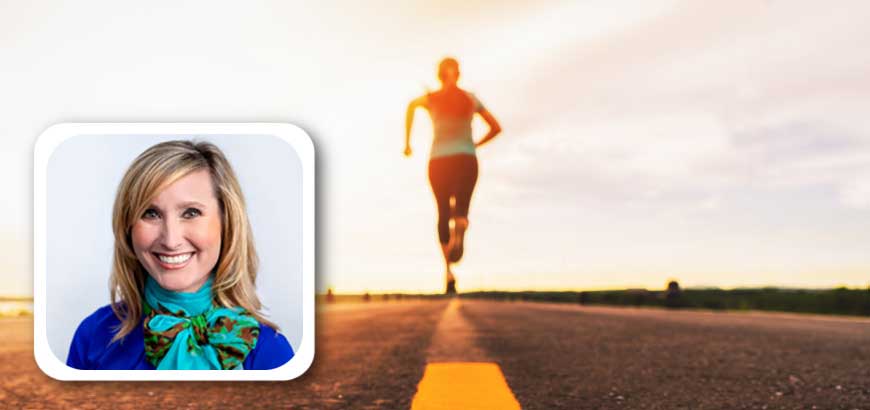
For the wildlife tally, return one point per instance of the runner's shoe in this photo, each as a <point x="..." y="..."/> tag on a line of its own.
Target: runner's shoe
<point x="451" y="284"/>
<point x="451" y="288"/>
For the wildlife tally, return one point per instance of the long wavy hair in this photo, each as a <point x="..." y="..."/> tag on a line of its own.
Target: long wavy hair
<point x="152" y="171"/>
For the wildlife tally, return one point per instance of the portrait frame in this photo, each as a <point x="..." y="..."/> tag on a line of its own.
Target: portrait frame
<point x="295" y="139"/>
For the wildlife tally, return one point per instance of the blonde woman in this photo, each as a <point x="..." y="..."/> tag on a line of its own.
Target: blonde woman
<point x="184" y="269"/>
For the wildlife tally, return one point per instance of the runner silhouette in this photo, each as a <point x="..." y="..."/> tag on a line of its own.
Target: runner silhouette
<point x="452" y="159"/>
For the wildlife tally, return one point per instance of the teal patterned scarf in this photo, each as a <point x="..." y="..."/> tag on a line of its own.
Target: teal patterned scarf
<point x="187" y="331"/>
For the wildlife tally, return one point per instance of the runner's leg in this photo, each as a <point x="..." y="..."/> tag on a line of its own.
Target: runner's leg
<point x="466" y="170"/>
<point x="438" y="173"/>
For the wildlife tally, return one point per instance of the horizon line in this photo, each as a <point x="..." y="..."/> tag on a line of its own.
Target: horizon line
<point x="602" y="289"/>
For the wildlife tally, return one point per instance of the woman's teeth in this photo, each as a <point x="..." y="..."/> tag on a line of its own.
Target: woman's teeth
<point x="174" y="260"/>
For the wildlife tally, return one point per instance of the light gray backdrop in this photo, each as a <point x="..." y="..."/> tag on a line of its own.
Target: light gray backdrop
<point x="83" y="176"/>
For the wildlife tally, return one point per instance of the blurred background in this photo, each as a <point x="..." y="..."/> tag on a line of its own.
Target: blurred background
<point x="664" y="152"/>
<point x="723" y="144"/>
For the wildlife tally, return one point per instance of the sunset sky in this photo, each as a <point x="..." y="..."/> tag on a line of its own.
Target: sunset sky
<point x="718" y="143"/>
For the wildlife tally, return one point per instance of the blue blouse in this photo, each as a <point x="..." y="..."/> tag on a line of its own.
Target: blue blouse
<point x="90" y="348"/>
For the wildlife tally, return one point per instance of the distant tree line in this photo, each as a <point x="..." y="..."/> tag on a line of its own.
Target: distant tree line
<point x="839" y="301"/>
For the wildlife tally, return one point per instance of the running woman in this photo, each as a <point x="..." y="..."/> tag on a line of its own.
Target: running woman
<point x="452" y="160"/>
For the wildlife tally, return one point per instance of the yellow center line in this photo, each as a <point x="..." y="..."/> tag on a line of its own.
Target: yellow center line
<point x="464" y="385"/>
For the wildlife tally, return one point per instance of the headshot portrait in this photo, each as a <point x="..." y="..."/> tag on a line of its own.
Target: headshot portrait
<point x="196" y="263"/>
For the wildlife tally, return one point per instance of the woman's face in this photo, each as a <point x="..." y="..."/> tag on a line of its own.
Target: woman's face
<point x="178" y="237"/>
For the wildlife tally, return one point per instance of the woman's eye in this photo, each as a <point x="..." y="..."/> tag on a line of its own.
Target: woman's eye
<point x="150" y="214"/>
<point x="191" y="213"/>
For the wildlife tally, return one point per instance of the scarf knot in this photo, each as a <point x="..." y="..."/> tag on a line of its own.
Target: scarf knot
<point x="200" y="329"/>
<point x="188" y="331"/>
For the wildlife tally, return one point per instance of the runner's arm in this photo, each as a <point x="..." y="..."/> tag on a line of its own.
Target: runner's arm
<point x="494" y="127"/>
<point x="409" y="121"/>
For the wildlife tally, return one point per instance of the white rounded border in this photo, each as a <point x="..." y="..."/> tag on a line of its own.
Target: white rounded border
<point x="55" y="135"/>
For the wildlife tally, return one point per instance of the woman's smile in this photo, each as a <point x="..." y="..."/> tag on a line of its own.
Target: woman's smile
<point x="176" y="261"/>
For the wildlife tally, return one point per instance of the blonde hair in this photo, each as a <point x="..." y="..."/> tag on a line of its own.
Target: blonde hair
<point x="152" y="171"/>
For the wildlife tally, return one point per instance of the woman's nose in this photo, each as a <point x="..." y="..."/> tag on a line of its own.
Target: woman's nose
<point x="172" y="234"/>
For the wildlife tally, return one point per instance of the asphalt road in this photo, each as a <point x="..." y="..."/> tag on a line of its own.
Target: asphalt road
<point x="552" y="356"/>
